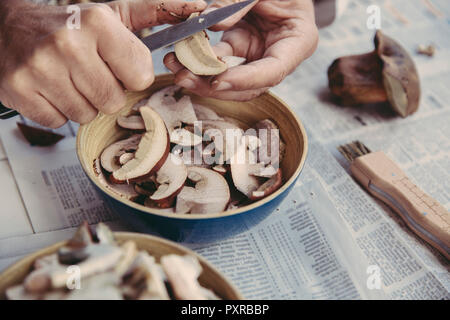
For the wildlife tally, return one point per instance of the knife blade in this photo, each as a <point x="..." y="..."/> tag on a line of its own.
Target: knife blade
<point x="187" y="28"/>
<point x="171" y="35"/>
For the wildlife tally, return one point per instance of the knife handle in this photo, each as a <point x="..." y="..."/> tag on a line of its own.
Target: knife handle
<point x="423" y="214"/>
<point x="6" y="113"/>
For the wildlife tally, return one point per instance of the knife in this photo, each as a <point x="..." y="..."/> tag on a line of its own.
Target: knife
<point x="171" y="35"/>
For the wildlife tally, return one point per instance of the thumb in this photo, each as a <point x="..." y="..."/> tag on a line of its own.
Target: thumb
<point x="140" y="14"/>
<point x="230" y="21"/>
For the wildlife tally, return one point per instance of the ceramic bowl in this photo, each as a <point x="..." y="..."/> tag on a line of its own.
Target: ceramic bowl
<point x="210" y="278"/>
<point x="94" y="137"/>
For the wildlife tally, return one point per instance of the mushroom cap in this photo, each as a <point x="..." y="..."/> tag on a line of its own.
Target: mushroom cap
<point x="210" y="195"/>
<point x="152" y="151"/>
<point x="400" y="77"/>
<point x="171" y="178"/>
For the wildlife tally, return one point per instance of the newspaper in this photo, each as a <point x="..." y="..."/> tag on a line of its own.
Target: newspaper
<point x="329" y="238"/>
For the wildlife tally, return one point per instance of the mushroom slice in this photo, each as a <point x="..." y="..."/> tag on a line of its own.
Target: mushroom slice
<point x="129" y="255"/>
<point x="104" y="234"/>
<point x="101" y="258"/>
<point x="268" y="187"/>
<point x="210" y="195"/>
<point x="185" y="138"/>
<point x="39" y="137"/>
<point x="174" y="113"/>
<point x="139" y="104"/>
<point x="109" y="156"/>
<point x="134" y="122"/>
<point x="241" y="165"/>
<point x="260" y="170"/>
<point x="204" y="113"/>
<point x="197" y="55"/>
<point x="154" y="281"/>
<point x="220" y="169"/>
<point x="151" y="153"/>
<point x="226" y="136"/>
<point x="182" y="273"/>
<point x="233" y="61"/>
<point x="125" y="191"/>
<point x="171" y="178"/>
<point x="387" y="74"/>
<point x="146" y="188"/>
<point x="271" y="147"/>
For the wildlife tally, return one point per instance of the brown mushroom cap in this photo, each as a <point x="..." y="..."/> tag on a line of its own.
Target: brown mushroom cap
<point x="386" y="74"/>
<point x="400" y="77"/>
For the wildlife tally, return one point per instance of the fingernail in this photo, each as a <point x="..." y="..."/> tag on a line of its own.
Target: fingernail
<point x="187" y="83"/>
<point x="222" y="86"/>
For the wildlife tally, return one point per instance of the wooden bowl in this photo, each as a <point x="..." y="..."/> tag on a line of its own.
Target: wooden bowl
<point x="210" y="278"/>
<point x="94" y="137"/>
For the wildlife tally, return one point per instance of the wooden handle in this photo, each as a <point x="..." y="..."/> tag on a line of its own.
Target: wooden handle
<point x="423" y="214"/>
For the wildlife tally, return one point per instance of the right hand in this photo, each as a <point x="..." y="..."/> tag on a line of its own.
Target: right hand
<point x="50" y="73"/>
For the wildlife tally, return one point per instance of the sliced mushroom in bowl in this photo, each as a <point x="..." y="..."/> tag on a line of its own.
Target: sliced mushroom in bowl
<point x="167" y="205"/>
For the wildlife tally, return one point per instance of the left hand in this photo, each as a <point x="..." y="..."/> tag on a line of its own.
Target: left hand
<point x="275" y="37"/>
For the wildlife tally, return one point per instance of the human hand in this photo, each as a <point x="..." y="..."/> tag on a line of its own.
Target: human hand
<point x="50" y="73"/>
<point x="275" y="37"/>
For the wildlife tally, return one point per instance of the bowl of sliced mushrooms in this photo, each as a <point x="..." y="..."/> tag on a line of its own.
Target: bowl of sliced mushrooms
<point x="193" y="169"/>
<point x="97" y="264"/>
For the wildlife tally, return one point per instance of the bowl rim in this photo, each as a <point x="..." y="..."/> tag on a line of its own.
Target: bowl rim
<point x="129" y="236"/>
<point x="203" y="216"/>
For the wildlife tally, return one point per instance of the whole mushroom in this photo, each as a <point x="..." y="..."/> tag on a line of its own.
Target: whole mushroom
<point x="388" y="74"/>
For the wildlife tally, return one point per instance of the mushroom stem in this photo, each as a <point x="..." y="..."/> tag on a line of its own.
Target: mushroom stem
<point x="358" y="79"/>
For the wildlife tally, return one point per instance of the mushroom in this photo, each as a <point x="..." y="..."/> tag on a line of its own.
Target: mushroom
<point x="174" y="113"/>
<point x="386" y="74"/>
<point x="146" y="271"/>
<point x="133" y="122"/>
<point x="268" y="187"/>
<point x="226" y="135"/>
<point x="197" y="55"/>
<point x="271" y="146"/>
<point x="182" y="273"/>
<point x="146" y="188"/>
<point x="204" y="113"/>
<point x="39" y="137"/>
<point x="124" y="158"/>
<point x="101" y="258"/>
<point x="139" y="104"/>
<point x="210" y="195"/>
<point x="241" y="165"/>
<point x="151" y="153"/>
<point x="184" y="137"/>
<point x="111" y="153"/>
<point x="129" y="255"/>
<point x="220" y="169"/>
<point x="104" y="234"/>
<point x="104" y="286"/>
<point x="171" y="178"/>
<point x="125" y="191"/>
